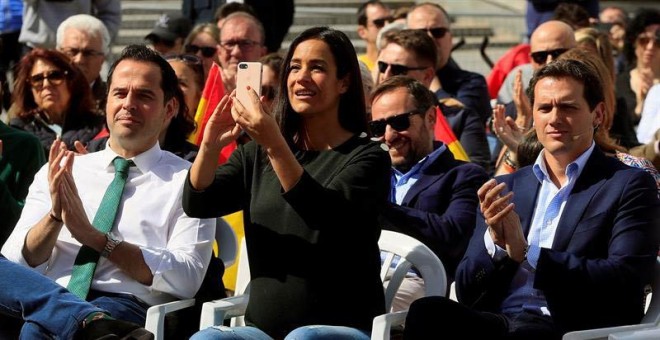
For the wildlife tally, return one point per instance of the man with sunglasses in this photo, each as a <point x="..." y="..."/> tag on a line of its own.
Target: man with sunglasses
<point x="467" y="87"/>
<point x="413" y="53"/>
<point x="372" y="16"/>
<point x="433" y="196"/>
<point x="86" y="41"/>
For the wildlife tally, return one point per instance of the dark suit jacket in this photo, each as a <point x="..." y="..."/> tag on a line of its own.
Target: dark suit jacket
<point x="467" y="87"/>
<point x="440" y="208"/>
<point x="471" y="133"/>
<point x="602" y="256"/>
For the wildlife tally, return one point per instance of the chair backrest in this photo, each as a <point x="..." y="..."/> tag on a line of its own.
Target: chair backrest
<point x="227" y="242"/>
<point x="407" y="252"/>
<point x="652" y="314"/>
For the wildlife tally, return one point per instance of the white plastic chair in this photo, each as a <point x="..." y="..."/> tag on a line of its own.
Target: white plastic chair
<point x="411" y="252"/>
<point x="649" y="328"/>
<point x="227" y="246"/>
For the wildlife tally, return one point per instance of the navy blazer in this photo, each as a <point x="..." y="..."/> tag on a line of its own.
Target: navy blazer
<point x="602" y="256"/>
<point x="440" y="208"/>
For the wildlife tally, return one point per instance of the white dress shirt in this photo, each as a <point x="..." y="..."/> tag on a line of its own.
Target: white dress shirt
<point x="177" y="248"/>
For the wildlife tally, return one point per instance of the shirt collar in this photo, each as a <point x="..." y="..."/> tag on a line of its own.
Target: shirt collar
<point x="144" y="161"/>
<point x="573" y="170"/>
<point x="423" y="163"/>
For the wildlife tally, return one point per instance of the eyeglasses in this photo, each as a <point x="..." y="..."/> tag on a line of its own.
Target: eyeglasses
<point x="207" y="52"/>
<point x="72" y="52"/>
<point x="380" y="22"/>
<point x="396" y="69"/>
<point x="645" y="39"/>
<point x="268" y="92"/>
<point x="540" y="57"/>
<point x="244" y="44"/>
<point x="400" y="122"/>
<point x="55" y="77"/>
<point x="436" y="32"/>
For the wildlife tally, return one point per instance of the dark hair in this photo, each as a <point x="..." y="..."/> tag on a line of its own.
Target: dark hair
<point x="362" y="10"/>
<point x="574" y="15"/>
<point x="81" y="104"/>
<point x="643" y="18"/>
<point x="352" y="112"/>
<point x="232" y="7"/>
<point x="169" y="83"/>
<point x="422" y="96"/>
<point x="417" y="41"/>
<point x="581" y="72"/>
<point x="275" y="62"/>
<point x="192" y="62"/>
<point x="528" y="149"/>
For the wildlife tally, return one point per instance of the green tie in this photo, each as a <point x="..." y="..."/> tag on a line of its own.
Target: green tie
<point x="85" y="264"/>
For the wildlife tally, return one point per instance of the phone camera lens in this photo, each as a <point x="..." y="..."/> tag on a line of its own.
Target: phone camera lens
<point x="243" y="66"/>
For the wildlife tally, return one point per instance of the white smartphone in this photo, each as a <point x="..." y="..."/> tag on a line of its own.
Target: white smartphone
<point x="249" y="74"/>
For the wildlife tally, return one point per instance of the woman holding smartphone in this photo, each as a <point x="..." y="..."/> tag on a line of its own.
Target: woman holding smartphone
<point x="309" y="165"/>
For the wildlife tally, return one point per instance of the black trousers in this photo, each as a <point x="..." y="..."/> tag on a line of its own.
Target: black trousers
<point x="437" y="317"/>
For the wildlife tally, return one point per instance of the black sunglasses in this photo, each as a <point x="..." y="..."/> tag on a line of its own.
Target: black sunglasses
<point x="380" y="22"/>
<point x="400" y="122"/>
<point x="55" y="77"/>
<point x="207" y="52"/>
<point x="186" y="58"/>
<point x="436" y="32"/>
<point x="645" y="39"/>
<point x="540" y="57"/>
<point x="396" y="69"/>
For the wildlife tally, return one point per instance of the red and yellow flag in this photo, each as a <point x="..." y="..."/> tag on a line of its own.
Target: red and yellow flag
<point x="214" y="89"/>
<point x="444" y="133"/>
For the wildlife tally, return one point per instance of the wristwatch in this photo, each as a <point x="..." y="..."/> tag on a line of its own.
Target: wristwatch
<point x="112" y="241"/>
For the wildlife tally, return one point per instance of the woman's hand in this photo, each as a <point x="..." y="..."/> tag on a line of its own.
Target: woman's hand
<point x="506" y="129"/>
<point x="55" y="174"/>
<point x="523" y="106"/>
<point x="221" y="129"/>
<point x="255" y="121"/>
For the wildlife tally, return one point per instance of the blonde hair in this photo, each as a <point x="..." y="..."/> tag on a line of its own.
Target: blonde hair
<point x="599" y="42"/>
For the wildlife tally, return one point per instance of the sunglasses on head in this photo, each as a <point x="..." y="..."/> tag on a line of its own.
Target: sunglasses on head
<point x="540" y="57"/>
<point x="55" y="77"/>
<point x="380" y="22"/>
<point x="207" y="52"/>
<point x="396" y="69"/>
<point x="399" y="122"/>
<point x="436" y="32"/>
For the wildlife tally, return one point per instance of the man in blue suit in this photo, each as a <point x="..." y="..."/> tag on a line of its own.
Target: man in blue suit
<point x="568" y="243"/>
<point x="433" y="196"/>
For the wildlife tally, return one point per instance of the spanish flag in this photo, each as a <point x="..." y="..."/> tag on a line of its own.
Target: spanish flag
<point x="444" y="133"/>
<point x="214" y="89"/>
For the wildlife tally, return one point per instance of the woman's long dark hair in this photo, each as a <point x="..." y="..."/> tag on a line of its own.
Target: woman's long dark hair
<point x="352" y="112"/>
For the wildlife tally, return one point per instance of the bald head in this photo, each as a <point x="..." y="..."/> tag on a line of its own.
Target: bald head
<point x="550" y="37"/>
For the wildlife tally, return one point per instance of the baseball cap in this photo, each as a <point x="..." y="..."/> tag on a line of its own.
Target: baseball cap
<point x="168" y="28"/>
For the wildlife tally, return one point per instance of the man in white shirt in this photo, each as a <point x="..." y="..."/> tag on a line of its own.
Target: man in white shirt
<point x="555" y="240"/>
<point x="154" y="252"/>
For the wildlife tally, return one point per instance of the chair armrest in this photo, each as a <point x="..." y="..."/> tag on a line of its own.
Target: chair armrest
<point x="215" y="312"/>
<point x="155" y="322"/>
<point x="383" y="324"/>
<point x="603" y="333"/>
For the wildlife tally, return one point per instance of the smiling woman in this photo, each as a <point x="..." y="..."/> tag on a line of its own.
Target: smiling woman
<point x="53" y="99"/>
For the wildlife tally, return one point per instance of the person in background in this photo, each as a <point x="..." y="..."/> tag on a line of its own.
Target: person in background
<point x="169" y="34"/>
<point x="642" y="51"/>
<point x="372" y="15"/>
<point x="225" y="10"/>
<point x="241" y="39"/>
<point x="575" y="214"/>
<point x="613" y="20"/>
<point x="41" y="19"/>
<point x="204" y="42"/>
<point x="433" y="196"/>
<point x="314" y="159"/>
<point x="467" y="87"/>
<point x="86" y="41"/>
<point x="52" y="99"/>
<point x="270" y="78"/>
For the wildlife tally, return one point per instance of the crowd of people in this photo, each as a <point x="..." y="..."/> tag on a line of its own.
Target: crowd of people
<point x="546" y="168"/>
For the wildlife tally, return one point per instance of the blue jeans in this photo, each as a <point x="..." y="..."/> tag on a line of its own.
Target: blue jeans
<point x="49" y="310"/>
<point x="317" y="332"/>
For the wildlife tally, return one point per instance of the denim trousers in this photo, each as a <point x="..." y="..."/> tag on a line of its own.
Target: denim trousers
<point x="316" y="332"/>
<point x="48" y="309"/>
